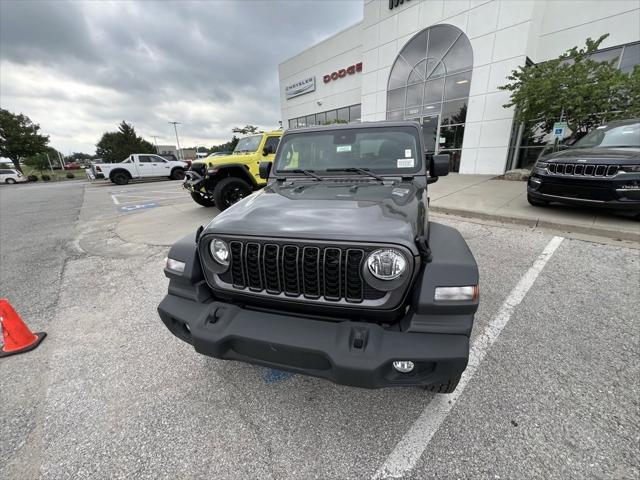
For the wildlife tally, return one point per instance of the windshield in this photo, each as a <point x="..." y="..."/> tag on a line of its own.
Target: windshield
<point x="248" y="144"/>
<point x="392" y="150"/>
<point x="611" y="136"/>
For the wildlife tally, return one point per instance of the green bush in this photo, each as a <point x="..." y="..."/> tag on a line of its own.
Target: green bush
<point x="32" y="178"/>
<point x="70" y="175"/>
<point x="46" y="178"/>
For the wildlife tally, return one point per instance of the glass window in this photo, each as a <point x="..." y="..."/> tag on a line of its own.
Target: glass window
<point x="432" y="109"/>
<point x="418" y="74"/>
<point x="321" y="118"/>
<point x="343" y="115"/>
<point x="272" y="143"/>
<point x="435" y="68"/>
<point x="441" y="38"/>
<point x="414" y="95"/>
<point x="459" y="57"/>
<point x="457" y="86"/>
<point x="302" y="122"/>
<point x="387" y="150"/>
<point x="416" y="49"/>
<point x="627" y="135"/>
<point x="452" y="137"/>
<point x="354" y="113"/>
<point x="630" y="57"/>
<point x="293" y="123"/>
<point x="311" y="120"/>
<point x="248" y="144"/>
<point x="146" y="159"/>
<point x="395" y="99"/>
<point x="433" y="90"/>
<point x="454" y="112"/>
<point x="332" y="116"/>
<point x="397" y="115"/>
<point x="399" y="73"/>
<point x="607" y="56"/>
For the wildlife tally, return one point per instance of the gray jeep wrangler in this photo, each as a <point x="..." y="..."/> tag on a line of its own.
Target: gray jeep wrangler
<point x="334" y="269"/>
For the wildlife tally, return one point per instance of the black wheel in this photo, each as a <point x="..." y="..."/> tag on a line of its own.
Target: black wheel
<point x="229" y="191"/>
<point x="10" y="181"/>
<point x="120" y="178"/>
<point x="447" y="387"/>
<point x="536" y="202"/>
<point x="177" y="174"/>
<point x="200" y="200"/>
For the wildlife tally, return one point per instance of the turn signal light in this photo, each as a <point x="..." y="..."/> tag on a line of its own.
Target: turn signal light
<point x="175" y="265"/>
<point x="453" y="294"/>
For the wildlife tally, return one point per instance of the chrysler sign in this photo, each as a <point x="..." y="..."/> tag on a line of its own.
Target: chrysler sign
<point x="300" y="88"/>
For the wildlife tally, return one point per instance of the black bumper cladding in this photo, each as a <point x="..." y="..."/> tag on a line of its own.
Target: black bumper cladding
<point x="350" y="353"/>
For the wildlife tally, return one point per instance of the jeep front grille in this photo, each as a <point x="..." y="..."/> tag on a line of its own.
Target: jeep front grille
<point x="310" y="272"/>
<point x="582" y="169"/>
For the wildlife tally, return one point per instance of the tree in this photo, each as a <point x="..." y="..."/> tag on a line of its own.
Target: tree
<point x="19" y="137"/>
<point x="80" y="157"/>
<point x="581" y="91"/>
<point x="116" y="146"/>
<point x="246" y="130"/>
<point x="225" y="147"/>
<point x="43" y="161"/>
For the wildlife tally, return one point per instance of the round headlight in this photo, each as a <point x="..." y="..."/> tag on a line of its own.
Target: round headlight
<point x="386" y="264"/>
<point x="219" y="251"/>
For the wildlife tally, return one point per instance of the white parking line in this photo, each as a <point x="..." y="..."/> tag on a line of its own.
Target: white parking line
<point x="411" y="446"/>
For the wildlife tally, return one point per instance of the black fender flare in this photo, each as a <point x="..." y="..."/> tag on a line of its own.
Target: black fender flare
<point x="190" y="283"/>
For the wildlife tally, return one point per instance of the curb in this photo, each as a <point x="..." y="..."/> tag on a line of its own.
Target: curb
<point x="537" y="223"/>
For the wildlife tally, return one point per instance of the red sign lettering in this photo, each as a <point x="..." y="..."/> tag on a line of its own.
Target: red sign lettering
<point x="343" y="72"/>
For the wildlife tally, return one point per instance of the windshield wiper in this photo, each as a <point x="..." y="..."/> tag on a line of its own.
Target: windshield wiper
<point x="356" y="169"/>
<point x="306" y="172"/>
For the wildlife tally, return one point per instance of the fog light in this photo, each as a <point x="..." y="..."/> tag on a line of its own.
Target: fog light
<point x="175" y="265"/>
<point x="403" y="366"/>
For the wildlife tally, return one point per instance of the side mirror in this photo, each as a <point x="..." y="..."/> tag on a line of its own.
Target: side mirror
<point x="267" y="151"/>
<point x="264" y="169"/>
<point x="438" y="167"/>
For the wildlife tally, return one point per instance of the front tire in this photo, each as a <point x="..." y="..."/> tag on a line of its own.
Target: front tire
<point x="200" y="200"/>
<point x="536" y="202"/>
<point x="120" y="178"/>
<point x="10" y="181"/>
<point x="447" y="387"/>
<point x="230" y="190"/>
<point x="177" y="174"/>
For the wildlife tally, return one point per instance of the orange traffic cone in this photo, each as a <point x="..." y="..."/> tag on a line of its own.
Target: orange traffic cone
<point x="17" y="336"/>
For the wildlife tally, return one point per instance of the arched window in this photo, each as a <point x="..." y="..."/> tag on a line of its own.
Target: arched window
<point x="429" y="81"/>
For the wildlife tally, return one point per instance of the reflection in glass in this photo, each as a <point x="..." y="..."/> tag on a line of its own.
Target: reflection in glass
<point x="293" y="123"/>
<point x="354" y="113"/>
<point x="459" y="57"/>
<point x="399" y="73"/>
<point x="630" y="57"/>
<point x="414" y="95"/>
<point x="343" y="115"/>
<point x="457" y="86"/>
<point x="454" y="112"/>
<point x="433" y="91"/>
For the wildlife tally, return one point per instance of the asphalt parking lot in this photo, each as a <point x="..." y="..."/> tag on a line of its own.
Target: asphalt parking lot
<point x="552" y="390"/>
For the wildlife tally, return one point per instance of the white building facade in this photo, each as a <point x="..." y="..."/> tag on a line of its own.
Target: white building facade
<point x="440" y="62"/>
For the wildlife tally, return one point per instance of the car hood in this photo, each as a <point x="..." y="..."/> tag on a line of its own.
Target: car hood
<point x="330" y="210"/>
<point x="619" y="156"/>
<point x="223" y="159"/>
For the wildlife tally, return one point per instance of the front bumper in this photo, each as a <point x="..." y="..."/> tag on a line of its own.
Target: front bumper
<point x="621" y="193"/>
<point x="350" y="353"/>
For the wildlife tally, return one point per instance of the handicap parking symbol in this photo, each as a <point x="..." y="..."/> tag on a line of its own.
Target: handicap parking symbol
<point x="138" y="206"/>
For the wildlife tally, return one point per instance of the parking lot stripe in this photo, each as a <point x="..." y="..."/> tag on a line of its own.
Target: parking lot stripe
<point x="411" y="446"/>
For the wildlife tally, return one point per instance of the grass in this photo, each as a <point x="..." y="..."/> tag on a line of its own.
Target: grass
<point x="56" y="175"/>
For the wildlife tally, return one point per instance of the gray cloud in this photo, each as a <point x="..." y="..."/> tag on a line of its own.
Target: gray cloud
<point x="211" y="65"/>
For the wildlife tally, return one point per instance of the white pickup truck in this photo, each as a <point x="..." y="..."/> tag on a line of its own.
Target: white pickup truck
<point x="140" y="165"/>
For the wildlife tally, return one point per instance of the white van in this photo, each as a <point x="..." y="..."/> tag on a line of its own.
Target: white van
<point x="9" y="175"/>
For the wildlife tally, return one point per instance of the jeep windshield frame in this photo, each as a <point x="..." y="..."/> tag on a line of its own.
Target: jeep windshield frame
<point x="384" y="149"/>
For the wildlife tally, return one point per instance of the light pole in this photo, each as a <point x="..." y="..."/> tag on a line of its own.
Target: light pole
<point x="155" y="140"/>
<point x="175" y="127"/>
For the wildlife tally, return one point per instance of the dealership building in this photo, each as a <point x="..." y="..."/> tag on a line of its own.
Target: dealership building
<point x="440" y="62"/>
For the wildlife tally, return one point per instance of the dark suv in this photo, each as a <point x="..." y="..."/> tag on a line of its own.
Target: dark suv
<point x="601" y="169"/>
<point x="334" y="269"/>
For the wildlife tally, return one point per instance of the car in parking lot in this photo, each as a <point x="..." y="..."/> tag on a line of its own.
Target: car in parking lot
<point x="334" y="269"/>
<point x="601" y="169"/>
<point x="11" y="175"/>
<point x="140" y="166"/>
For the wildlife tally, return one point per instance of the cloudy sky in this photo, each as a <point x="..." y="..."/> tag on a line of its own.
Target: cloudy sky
<point x="80" y="68"/>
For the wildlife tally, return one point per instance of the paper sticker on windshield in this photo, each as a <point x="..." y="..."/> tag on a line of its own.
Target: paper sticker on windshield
<point x="405" y="163"/>
<point x="343" y="148"/>
<point x="407" y="153"/>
